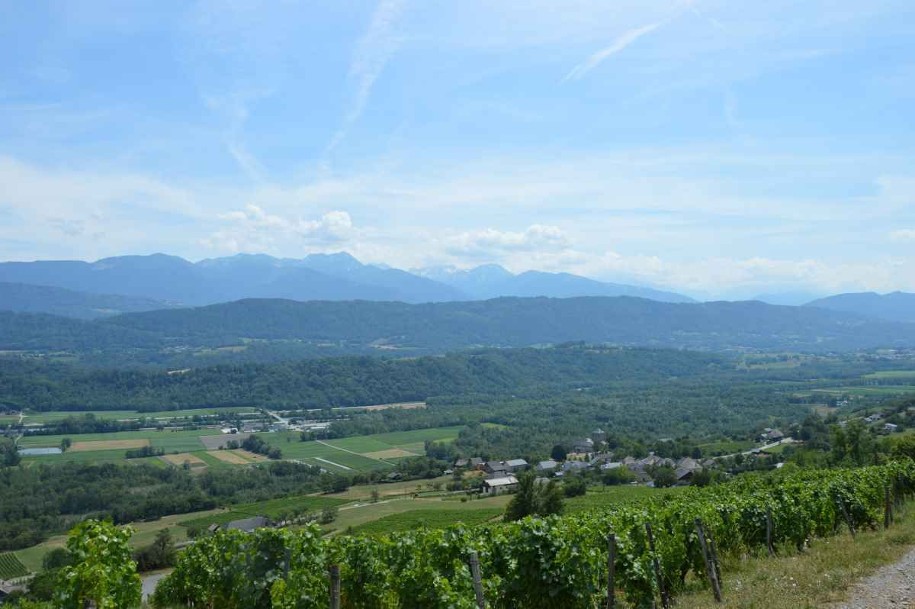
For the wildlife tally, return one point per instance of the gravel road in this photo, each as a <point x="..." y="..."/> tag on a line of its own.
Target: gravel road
<point x="893" y="586"/>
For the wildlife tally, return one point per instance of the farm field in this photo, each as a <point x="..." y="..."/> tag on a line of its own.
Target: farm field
<point x="873" y="390"/>
<point x="432" y="518"/>
<point x="891" y="374"/>
<point x="604" y="496"/>
<point x="11" y="567"/>
<point x="360" y="514"/>
<point x="122" y="415"/>
<point x="353" y="454"/>
<point x="359" y="453"/>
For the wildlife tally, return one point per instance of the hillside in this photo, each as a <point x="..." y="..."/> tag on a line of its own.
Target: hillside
<point x="352" y="381"/>
<point x="895" y="306"/>
<point x="26" y="298"/>
<point x="515" y="322"/>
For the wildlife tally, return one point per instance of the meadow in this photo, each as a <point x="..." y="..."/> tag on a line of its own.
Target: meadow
<point x="353" y="454"/>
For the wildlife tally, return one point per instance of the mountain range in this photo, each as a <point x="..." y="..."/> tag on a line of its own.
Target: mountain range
<point x="895" y="306"/>
<point x="272" y="329"/>
<point x="173" y="281"/>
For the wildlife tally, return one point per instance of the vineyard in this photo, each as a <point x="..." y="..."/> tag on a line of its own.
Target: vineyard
<point x="10" y="567"/>
<point x="552" y="563"/>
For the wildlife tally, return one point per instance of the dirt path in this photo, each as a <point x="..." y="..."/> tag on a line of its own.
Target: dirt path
<point x="893" y="586"/>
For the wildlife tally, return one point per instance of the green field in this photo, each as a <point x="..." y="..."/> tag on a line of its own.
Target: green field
<point x="273" y="508"/>
<point x="432" y="518"/>
<point x="874" y="390"/>
<point x="356" y="453"/>
<point x="891" y="374"/>
<point x="353" y="454"/>
<point x="122" y="415"/>
<point x="11" y="567"/>
<point x="603" y="496"/>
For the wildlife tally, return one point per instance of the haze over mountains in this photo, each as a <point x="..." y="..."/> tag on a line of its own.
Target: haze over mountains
<point x="173" y="280"/>
<point x="331" y="304"/>
<point x="895" y="306"/>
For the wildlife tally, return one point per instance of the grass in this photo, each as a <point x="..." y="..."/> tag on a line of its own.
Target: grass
<point x="879" y="390"/>
<point x="603" y="496"/>
<point x="272" y="509"/>
<point x="359" y="514"/>
<point x="432" y="518"/>
<point x="891" y="374"/>
<point x="814" y="578"/>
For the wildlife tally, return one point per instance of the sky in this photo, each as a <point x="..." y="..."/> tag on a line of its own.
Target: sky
<point x="722" y="148"/>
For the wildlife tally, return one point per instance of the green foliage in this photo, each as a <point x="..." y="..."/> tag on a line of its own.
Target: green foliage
<point x="664" y="476"/>
<point x="9" y="455"/>
<point x="103" y="571"/>
<point x="536" y="563"/>
<point x="534" y="499"/>
<point x="37" y="501"/>
<point x="158" y="555"/>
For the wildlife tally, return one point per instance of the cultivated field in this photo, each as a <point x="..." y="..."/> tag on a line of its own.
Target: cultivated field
<point x="96" y="445"/>
<point x="228" y="456"/>
<point x="11" y="567"/>
<point x="180" y="459"/>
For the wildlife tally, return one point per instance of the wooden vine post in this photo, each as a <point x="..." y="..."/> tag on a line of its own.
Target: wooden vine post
<point x="334" y="586"/>
<point x="710" y="568"/>
<point x="769" y="532"/>
<point x="477" y="579"/>
<point x="842" y="508"/>
<point x="611" y="571"/>
<point x="665" y="597"/>
<point x="887" y="508"/>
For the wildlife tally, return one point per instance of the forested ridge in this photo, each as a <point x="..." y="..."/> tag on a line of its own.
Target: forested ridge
<point x="349" y="381"/>
<point x="268" y="330"/>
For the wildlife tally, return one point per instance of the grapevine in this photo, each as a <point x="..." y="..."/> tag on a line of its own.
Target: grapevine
<point x="539" y="563"/>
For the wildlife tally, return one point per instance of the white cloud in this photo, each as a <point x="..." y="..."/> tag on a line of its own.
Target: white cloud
<point x="618" y="45"/>
<point x="255" y="230"/>
<point x="903" y="234"/>
<point x="371" y="55"/>
<point x="490" y="242"/>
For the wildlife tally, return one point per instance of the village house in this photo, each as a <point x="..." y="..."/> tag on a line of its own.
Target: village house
<point x="516" y="465"/>
<point x="496" y="486"/>
<point x="547" y="466"/>
<point x="584" y="446"/>
<point x="496" y="468"/>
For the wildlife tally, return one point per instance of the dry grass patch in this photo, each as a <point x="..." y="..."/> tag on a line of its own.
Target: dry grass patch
<point x="229" y="457"/>
<point x="78" y="447"/>
<point x="817" y="577"/>
<point x="391" y="453"/>
<point x="250" y="456"/>
<point x="181" y="458"/>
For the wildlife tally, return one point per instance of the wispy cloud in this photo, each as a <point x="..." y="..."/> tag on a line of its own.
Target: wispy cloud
<point x="602" y="55"/>
<point x="371" y="55"/>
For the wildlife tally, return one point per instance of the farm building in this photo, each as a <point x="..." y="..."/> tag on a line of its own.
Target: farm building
<point x="496" y="468"/>
<point x="248" y="525"/>
<point x="495" y="486"/>
<point x="516" y="464"/>
<point x="547" y="466"/>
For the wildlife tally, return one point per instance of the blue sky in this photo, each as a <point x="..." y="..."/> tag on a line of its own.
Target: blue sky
<point x="719" y="148"/>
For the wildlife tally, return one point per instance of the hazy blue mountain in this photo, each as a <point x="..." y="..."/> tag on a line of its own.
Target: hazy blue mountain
<point x="515" y="322"/>
<point x="407" y="286"/>
<point x="334" y="277"/>
<point x="789" y="298"/>
<point x="173" y="279"/>
<point x="492" y="281"/>
<point x="26" y="298"/>
<point x="895" y="306"/>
